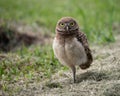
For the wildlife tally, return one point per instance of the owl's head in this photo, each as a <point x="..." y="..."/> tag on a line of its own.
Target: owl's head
<point x="67" y="26"/>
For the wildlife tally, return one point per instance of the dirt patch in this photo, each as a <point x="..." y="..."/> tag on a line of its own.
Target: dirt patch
<point x="10" y="39"/>
<point x="13" y="36"/>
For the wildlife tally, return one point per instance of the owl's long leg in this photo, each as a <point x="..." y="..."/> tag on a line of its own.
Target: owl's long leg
<point x="74" y="73"/>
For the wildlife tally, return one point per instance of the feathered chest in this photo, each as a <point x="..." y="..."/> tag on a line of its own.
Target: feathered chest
<point x="69" y="51"/>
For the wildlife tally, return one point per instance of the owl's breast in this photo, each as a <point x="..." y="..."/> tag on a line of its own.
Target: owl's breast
<point x="75" y="51"/>
<point x="59" y="50"/>
<point x="70" y="51"/>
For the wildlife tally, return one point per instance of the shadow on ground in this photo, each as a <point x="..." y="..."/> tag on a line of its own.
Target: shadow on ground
<point x="96" y="76"/>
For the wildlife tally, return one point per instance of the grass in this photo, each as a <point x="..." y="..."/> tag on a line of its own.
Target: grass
<point x="27" y="64"/>
<point x="95" y="17"/>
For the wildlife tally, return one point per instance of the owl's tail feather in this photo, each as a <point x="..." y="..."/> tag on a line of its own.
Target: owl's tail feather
<point x="88" y="63"/>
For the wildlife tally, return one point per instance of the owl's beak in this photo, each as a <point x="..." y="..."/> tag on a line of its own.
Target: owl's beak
<point x="67" y="28"/>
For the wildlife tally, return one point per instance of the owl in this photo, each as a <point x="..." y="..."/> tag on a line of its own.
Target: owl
<point x="70" y="45"/>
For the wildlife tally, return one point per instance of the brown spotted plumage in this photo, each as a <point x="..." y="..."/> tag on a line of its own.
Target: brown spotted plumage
<point x="82" y="38"/>
<point x="70" y="45"/>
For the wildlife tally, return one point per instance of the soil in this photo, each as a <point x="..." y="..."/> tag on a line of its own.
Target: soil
<point x="14" y="36"/>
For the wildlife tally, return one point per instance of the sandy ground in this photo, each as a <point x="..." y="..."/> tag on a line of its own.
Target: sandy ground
<point x="101" y="79"/>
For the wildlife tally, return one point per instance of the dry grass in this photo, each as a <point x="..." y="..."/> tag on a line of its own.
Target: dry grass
<point x="102" y="79"/>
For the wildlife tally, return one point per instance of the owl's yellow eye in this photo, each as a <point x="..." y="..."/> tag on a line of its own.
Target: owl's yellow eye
<point x="72" y="24"/>
<point x="62" y="24"/>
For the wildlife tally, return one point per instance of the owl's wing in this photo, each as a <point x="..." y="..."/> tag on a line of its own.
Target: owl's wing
<point x="81" y="37"/>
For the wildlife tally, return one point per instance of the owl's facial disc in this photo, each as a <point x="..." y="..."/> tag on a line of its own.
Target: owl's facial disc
<point x="69" y="27"/>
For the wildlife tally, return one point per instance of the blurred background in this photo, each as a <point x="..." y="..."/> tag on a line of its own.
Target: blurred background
<point x="32" y="22"/>
<point x="96" y="18"/>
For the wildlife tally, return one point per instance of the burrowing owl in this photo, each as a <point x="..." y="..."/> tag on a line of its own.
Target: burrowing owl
<point x="70" y="45"/>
